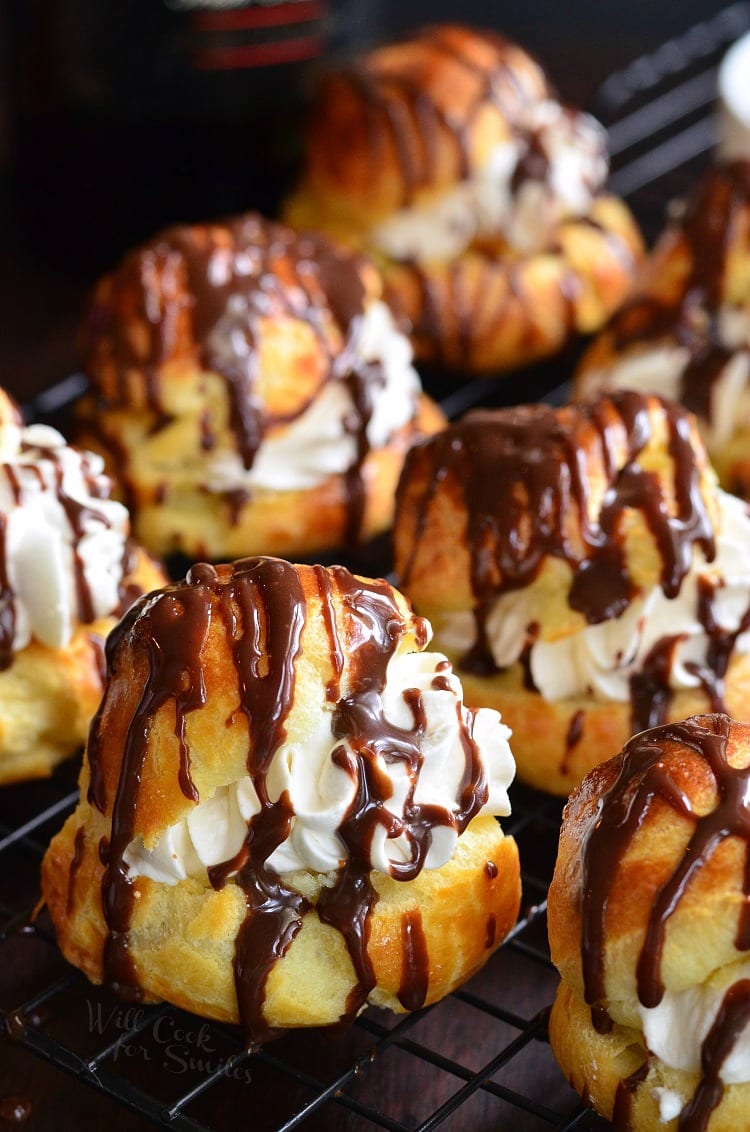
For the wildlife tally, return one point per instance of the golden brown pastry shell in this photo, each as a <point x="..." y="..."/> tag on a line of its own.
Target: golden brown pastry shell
<point x="556" y="744"/>
<point x="162" y="477"/>
<point x="699" y="941"/>
<point x="182" y="939"/>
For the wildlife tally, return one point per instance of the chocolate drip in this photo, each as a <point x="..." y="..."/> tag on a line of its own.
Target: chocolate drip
<point x="572" y="737"/>
<point x="525" y="491"/>
<point x="216" y="285"/>
<point x="416" y="123"/>
<point x="75" y="864"/>
<point x="732" y="1018"/>
<point x="7" y="604"/>
<point x="170" y="628"/>
<point x="626" y="1090"/>
<point x="642" y="778"/>
<point x="415" y="971"/>
<point x="708" y="228"/>
<point x="262" y="604"/>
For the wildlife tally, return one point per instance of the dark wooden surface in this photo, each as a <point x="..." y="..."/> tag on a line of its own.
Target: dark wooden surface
<point x="43" y="284"/>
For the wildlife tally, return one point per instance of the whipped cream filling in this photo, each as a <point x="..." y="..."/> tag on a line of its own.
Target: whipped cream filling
<point x="320" y="442"/>
<point x="62" y="535"/>
<point x="599" y="660"/>
<point x="675" y="1031"/>
<point x="660" y="367"/>
<point x="321" y="790"/>
<point x="548" y="172"/>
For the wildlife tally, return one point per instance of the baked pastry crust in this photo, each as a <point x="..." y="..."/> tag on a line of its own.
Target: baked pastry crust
<point x="48" y="696"/>
<point x="699" y="267"/>
<point x="521" y="506"/>
<point x="182" y="940"/>
<point x="678" y="792"/>
<point x="207" y="343"/>
<point x="414" y="119"/>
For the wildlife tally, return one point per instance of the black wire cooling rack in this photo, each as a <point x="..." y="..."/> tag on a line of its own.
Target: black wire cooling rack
<point x="479" y="1059"/>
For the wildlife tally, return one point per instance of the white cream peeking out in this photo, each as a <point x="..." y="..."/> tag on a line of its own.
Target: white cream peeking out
<point x="319" y="443"/>
<point x="488" y="205"/>
<point x="599" y="660"/>
<point x="37" y="472"/>
<point x="321" y="791"/>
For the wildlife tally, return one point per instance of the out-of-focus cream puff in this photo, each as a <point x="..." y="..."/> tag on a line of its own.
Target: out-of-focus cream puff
<point x="251" y="391"/>
<point x="449" y="160"/>
<point x="583" y="571"/>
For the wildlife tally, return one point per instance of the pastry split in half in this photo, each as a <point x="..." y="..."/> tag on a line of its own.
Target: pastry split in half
<point x="68" y="569"/>
<point x="684" y="332"/>
<point x="250" y="390"/>
<point x="448" y="158"/>
<point x="286" y="810"/>
<point x="649" y="928"/>
<point x="582" y="570"/>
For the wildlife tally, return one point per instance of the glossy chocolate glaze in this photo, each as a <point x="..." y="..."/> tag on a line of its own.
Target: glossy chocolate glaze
<point x="400" y="100"/>
<point x="263" y="607"/>
<point x="521" y="481"/>
<point x="708" y="227"/>
<point x="207" y="290"/>
<point x="644" y="780"/>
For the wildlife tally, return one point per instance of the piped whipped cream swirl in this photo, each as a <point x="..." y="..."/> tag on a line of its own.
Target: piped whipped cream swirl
<point x="63" y="539"/>
<point x="321" y="442"/>
<point x="600" y="659"/>
<point x="322" y="783"/>
<point x="549" y="171"/>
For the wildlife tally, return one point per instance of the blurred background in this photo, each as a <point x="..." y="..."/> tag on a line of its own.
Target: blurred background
<point x="117" y="118"/>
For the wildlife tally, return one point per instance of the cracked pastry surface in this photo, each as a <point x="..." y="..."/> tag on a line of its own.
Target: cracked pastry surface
<point x="286" y="810"/>
<point x="447" y="157"/>
<point x="684" y="331"/>
<point x="68" y="569"/>
<point x="583" y="570"/>
<point x="250" y="390"/>
<point x="649" y="928"/>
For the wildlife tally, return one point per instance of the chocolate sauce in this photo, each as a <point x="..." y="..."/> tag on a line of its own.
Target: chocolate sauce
<point x="524" y="486"/>
<point x="262" y="604"/>
<point x="75" y="864"/>
<point x="708" y="227"/>
<point x="7" y="604"/>
<point x="491" y="870"/>
<point x="643" y="776"/>
<point x="626" y="1090"/>
<point x="415" y="970"/>
<point x="731" y="1020"/>
<point x="572" y="737"/>
<point x="214" y="286"/>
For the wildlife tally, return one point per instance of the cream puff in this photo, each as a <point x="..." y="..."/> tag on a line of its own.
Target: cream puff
<point x="286" y="809"/>
<point x="583" y="571"/>
<point x="449" y="160"/>
<point x="251" y="391"/>
<point x="684" y="332"/>
<point x="649" y="928"/>
<point x="68" y="569"/>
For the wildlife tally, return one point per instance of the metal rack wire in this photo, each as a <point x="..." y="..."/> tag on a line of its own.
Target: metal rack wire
<point x="413" y="1073"/>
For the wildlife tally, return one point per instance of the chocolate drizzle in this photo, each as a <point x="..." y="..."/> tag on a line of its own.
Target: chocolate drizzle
<point x="208" y="290"/>
<point x="708" y="227"/>
<point x="262" y="605"/>
<point x="522" y="477"/>
<point x="643" y="779"/>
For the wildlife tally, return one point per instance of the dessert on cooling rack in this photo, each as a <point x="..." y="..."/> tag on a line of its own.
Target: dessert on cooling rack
<point x="286" y="810"/>
<point x="448" y="158"/>
<point x="68" y="569"/>
<point x="251" y="391"/>
<point x="582" y="570"/>
<point x="649" y="928"/>
<point x="684" y="332"/>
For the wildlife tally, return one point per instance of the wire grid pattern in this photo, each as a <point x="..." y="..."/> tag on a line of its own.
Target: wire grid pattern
<point x="406" y="1074"/>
